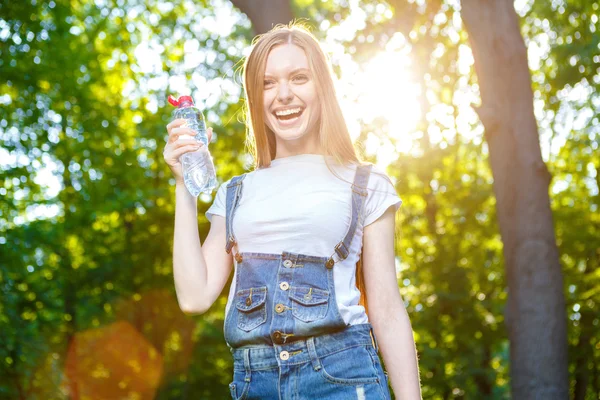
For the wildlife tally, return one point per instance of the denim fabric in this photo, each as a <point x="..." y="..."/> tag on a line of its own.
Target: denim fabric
<point x="289" y="294"/>
<point x="284" y="328"/>
<point x="342" y="365"/>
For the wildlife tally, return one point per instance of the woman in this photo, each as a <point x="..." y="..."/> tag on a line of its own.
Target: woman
<point x="294" y="229"/>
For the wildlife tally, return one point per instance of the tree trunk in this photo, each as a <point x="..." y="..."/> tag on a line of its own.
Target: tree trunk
<point x="535" y="313"/>
<point x="264" y="14"/>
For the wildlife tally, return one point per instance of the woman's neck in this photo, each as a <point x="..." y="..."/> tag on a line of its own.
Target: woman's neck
<point x="305" y="145"/>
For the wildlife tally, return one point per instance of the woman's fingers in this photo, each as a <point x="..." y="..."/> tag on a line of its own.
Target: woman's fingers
<point x="177" y="152"/>
<point x="171" y="148"/>
<point x="177" y="132"/>
<point x="175" y="123"/>
<point x="184" y="142"/>
<point x="187" y="134"/>
<point x="176" y="127"/>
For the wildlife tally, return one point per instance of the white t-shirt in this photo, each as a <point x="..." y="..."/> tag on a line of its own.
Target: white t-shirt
<point x="298" y="205"/>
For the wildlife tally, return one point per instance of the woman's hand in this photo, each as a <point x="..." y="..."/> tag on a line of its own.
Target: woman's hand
<point x="180" y="141"/>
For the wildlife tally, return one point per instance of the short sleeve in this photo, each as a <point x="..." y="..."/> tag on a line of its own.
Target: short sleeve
<point x="381" y="195"/>
<point x="218" y="207"/>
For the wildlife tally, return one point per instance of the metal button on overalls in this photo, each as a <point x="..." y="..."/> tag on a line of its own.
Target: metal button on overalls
<point x="284" y="286"/>
<point x="329" y="263"/>
<point x="279" y="308"/>
<point x="284" y="355"/>
<point x="288" y="263"/>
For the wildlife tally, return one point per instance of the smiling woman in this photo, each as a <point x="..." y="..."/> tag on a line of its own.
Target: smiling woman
<point x="293" y="229"/>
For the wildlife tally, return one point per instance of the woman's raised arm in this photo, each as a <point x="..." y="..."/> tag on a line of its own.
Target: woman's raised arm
<point x="200" y="272"/>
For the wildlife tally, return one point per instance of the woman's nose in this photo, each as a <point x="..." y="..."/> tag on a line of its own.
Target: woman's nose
<point x="285" y="94"/>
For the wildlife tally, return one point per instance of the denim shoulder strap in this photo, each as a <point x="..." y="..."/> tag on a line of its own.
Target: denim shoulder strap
<point x="359" y="196"/>
<point x="234" y="194"/>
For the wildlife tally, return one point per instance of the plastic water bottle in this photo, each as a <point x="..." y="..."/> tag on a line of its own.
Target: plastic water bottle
<point x="198" y="168"/>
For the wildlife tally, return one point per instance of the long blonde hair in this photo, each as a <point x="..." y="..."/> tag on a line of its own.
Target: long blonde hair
<point x="334" y="136"/>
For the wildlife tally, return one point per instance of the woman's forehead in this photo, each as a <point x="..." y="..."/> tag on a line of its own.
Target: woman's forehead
<point x="285" y="59"/>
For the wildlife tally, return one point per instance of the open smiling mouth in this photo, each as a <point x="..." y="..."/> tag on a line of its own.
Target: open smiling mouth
<point x="289" y="116"/>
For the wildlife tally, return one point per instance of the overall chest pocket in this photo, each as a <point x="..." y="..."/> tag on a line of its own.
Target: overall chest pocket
<point x="251" y="307"/>
<point x="308" y="303"/>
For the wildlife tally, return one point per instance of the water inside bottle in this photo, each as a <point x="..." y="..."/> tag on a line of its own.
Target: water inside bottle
<point x="198" y="170"/>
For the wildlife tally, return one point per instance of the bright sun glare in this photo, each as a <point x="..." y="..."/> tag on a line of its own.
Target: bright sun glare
<point x="382" y="89"/>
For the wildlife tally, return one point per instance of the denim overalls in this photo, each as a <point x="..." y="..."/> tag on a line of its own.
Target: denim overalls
<point x="284" y="327"/>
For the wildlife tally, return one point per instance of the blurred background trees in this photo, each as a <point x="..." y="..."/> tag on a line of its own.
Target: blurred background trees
<point x="87" y="305"/>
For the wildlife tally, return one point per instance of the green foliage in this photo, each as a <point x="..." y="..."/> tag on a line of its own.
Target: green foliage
<point x="82" y="104"/>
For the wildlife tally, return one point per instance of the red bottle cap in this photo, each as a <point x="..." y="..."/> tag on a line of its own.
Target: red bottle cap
<point x="183" y="101"/>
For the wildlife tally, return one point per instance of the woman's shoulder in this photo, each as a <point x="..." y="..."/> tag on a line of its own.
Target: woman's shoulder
<point x="238" y="177"/>
<point x="377" y="174"/>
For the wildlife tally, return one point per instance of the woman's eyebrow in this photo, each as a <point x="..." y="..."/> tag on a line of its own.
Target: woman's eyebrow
<point x="295" y="70"/>
<point x="299" y="69"/>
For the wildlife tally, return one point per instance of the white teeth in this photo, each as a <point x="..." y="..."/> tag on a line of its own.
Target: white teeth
<point x="288" y="112"/>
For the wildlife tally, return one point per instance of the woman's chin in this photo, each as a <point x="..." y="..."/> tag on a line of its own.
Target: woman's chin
<point x="291" y="135"/>
<point x="291" y="132"/>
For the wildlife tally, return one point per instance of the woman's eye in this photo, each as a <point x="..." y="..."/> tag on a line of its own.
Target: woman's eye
<point x="300" y="78"/>
<point x="268" y="82"/>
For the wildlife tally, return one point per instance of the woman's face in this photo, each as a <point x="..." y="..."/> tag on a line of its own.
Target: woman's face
<point x="291" y="105"/>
